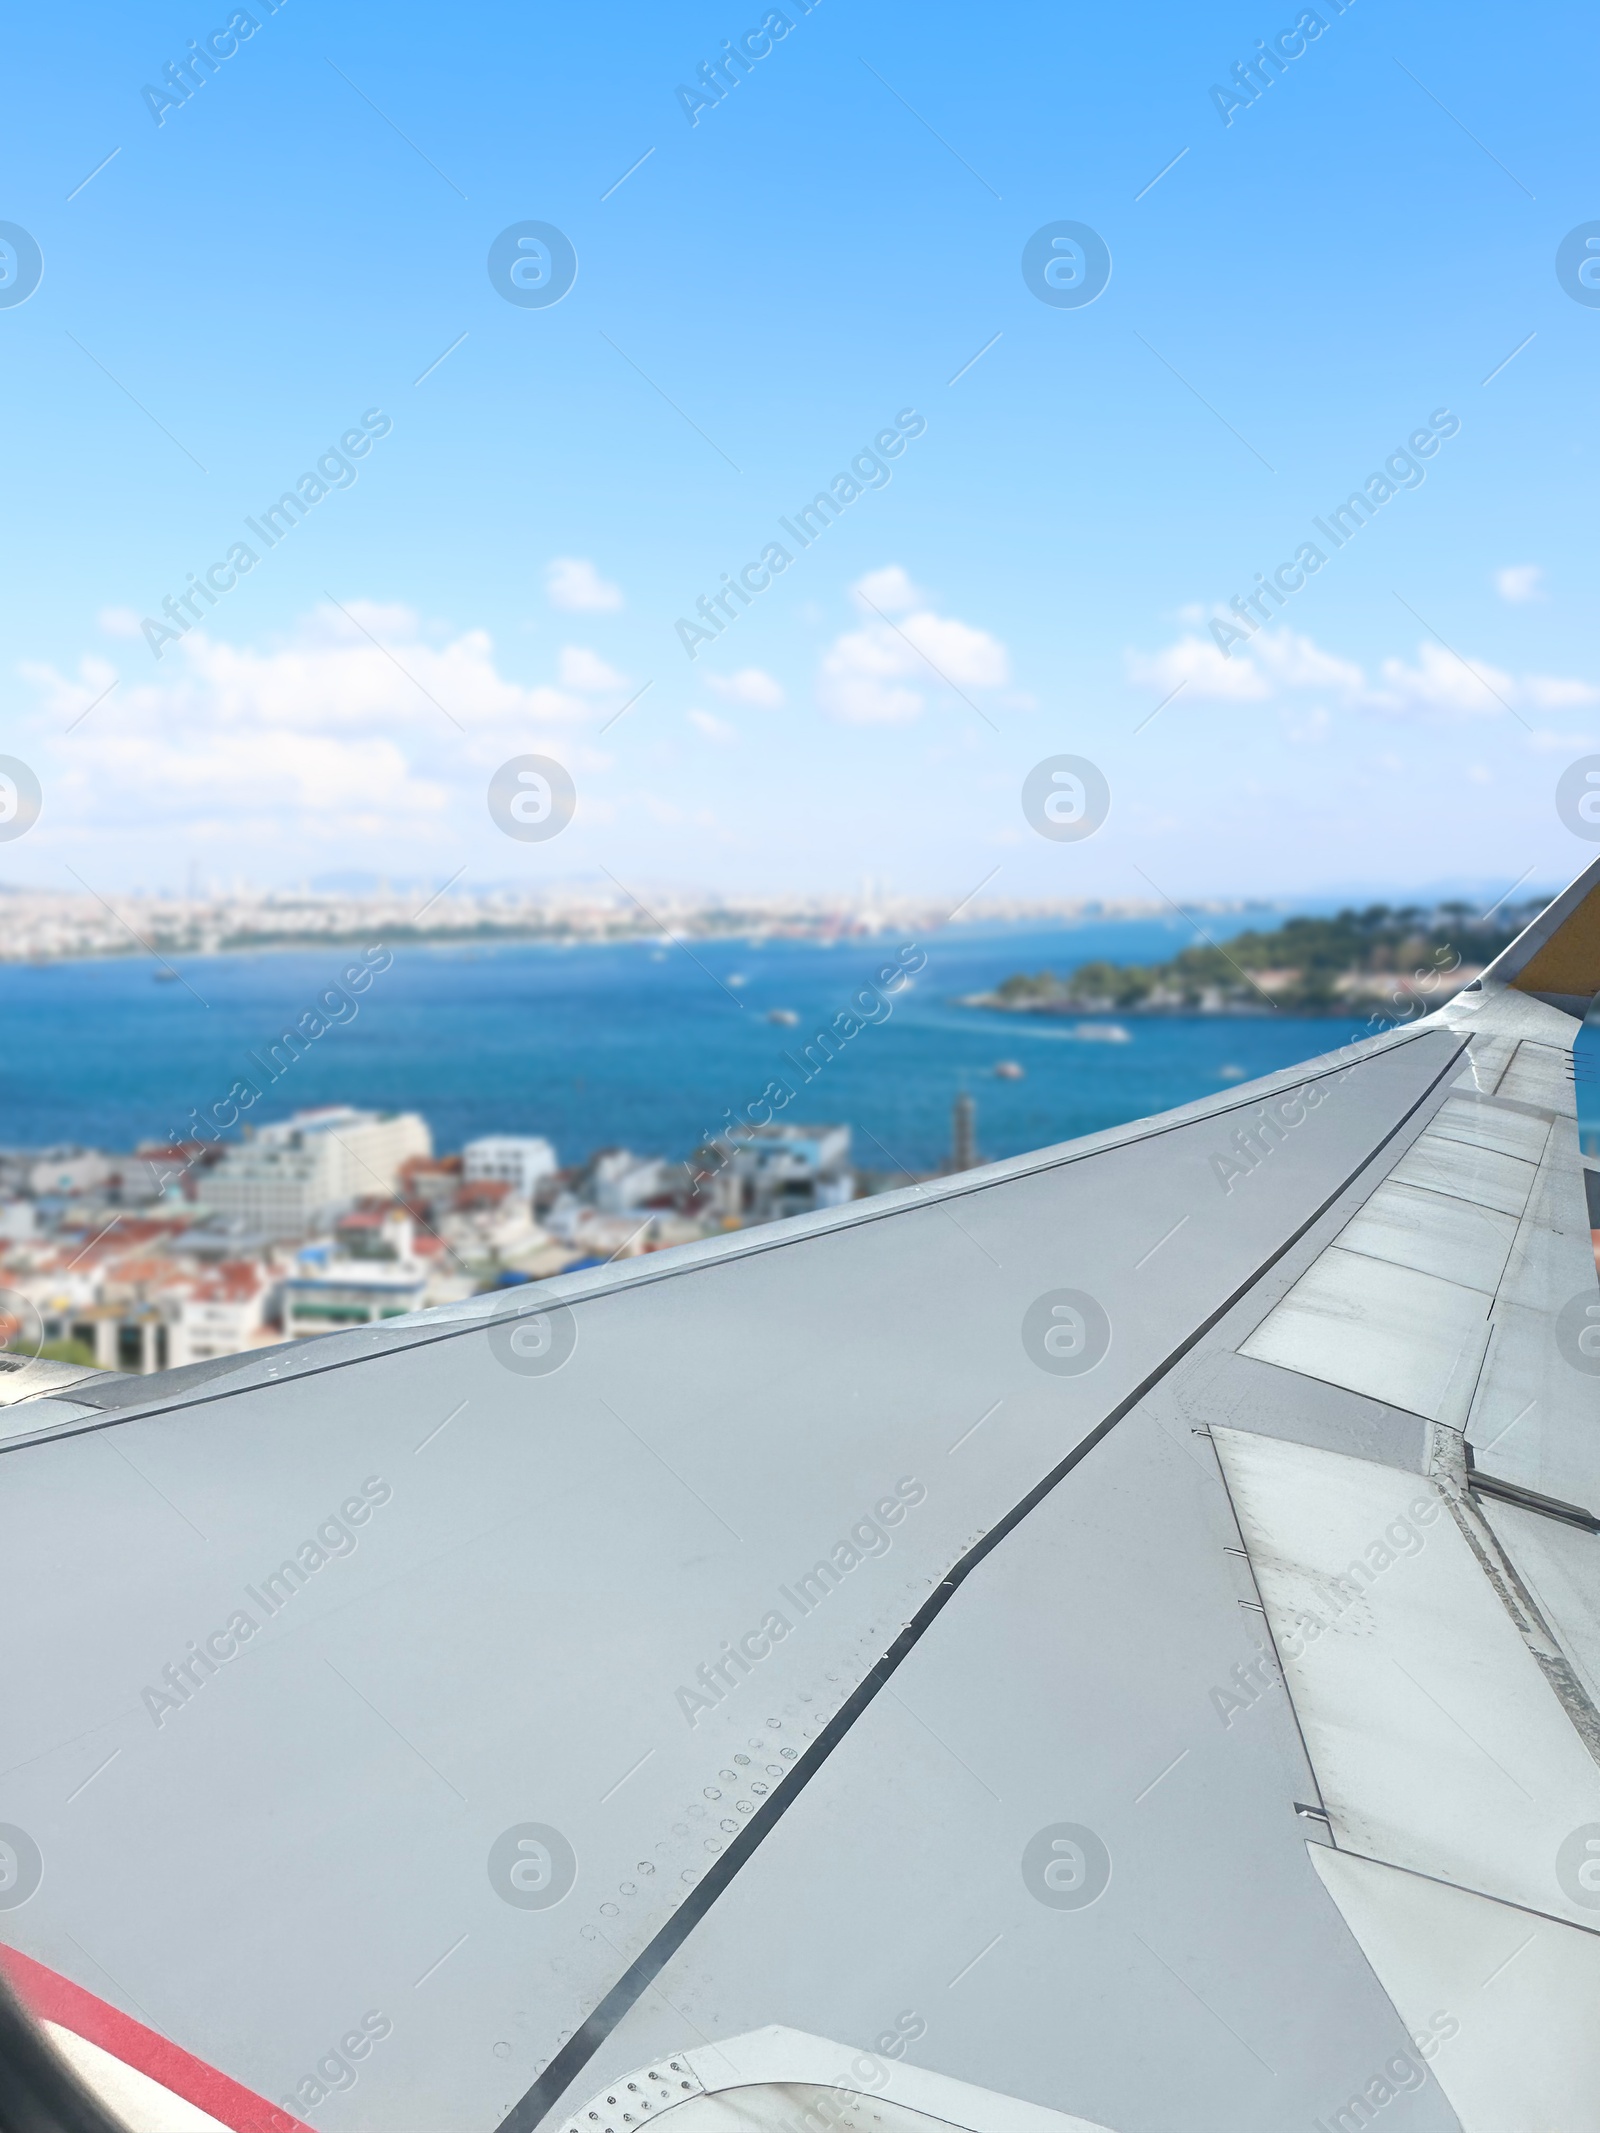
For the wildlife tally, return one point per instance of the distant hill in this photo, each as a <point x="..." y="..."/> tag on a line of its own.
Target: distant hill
<point x="1308" y="966"/>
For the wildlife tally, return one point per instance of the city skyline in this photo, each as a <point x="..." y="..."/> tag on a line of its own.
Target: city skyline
<point x="43" y="926"/>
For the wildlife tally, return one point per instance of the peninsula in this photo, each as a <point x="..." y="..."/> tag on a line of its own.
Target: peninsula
<point x="1377" y="958"/>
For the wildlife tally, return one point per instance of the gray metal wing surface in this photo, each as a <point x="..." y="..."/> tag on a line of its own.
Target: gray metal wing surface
<point x="1110" y="1639"/>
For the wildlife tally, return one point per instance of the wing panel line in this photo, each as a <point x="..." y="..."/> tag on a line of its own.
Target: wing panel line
<point x="579" y="2048"/>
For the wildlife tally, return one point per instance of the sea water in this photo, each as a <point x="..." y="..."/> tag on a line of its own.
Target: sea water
<point x="643" y="1044"/>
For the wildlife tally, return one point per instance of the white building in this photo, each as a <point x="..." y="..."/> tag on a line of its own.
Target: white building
<point x="68" y="1170"/>
<point x="191" y="1319"/>
<point x="222" y="1313"/>
<point x="620" y="1181"/>
<point x="762" y="1173"/>
<point x="326" y="1292"/>
<point x="519" y="1160"/>
<point x="290" y="1179"/>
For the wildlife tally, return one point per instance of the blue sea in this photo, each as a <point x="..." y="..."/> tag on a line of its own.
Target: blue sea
<point x="640" y="1044"/>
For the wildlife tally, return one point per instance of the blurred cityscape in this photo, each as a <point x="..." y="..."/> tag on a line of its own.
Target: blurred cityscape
<point x="40" y="925"/>
<point x="340" y="1217"/>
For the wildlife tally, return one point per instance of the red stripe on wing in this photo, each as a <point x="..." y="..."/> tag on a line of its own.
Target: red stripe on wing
<point x="49" y="1997"/>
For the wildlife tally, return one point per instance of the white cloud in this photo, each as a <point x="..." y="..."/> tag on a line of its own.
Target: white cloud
<point x="748" y="686"/>
<point x="714" y="729"/>
<point x="326" y="726"/>
<point x="1441" y="682"/>
<point x="970" y="658"/>
<point x="67" y="702"/>
<point x="1519" y="583"/>
<point x="118" y="622"/>
<point x="880" y="674"/>
<point x="1202" y="670"/>
<point x="1296" y="663"/>
<point x="1558" y="692"/>
<point x="889" y="590"/>
<point x="573" y="583"/>
<point x="579" y="668"/>
<point x="1282" y="664"/>
<point x="858" y="683"/>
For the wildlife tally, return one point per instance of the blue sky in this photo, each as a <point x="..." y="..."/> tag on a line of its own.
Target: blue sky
<point x="831" y="244"/>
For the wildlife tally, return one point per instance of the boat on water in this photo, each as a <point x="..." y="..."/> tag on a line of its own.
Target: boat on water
<point x="1009" y="1070"/>
<point x="785" y="1017"/>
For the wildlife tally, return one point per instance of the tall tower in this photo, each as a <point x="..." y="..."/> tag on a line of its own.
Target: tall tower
<point x="963" y="1133"/>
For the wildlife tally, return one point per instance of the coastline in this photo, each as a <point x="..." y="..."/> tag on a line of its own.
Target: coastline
<point x="1189" y="1010"/>
<point x="1101" y="1010"/>
<point x="1386" y="989"/>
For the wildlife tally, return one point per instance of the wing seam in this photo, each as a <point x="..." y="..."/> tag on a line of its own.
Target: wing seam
<point x="570" y="2060"/>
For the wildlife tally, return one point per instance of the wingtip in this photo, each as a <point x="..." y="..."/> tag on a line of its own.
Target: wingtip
<point x="1557" y="957"/>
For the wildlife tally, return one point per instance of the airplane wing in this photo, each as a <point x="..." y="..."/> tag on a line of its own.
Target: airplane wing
<point x="1107" y="1640"/>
